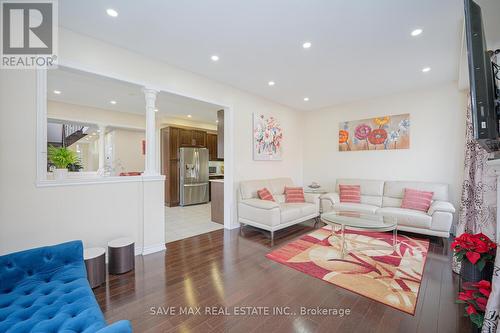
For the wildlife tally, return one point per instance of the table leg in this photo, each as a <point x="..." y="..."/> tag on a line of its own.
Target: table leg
<point x="394" y="239"/>
<point x="342" y="241"/>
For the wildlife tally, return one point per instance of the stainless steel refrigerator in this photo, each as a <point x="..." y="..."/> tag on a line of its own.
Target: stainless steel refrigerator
<point x="193" y="176"/>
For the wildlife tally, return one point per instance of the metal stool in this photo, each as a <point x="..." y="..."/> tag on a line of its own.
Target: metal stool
<point x="121" y="256"/>
<point x="95" y="263"/>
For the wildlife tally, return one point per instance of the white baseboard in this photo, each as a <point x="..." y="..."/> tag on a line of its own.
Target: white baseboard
<point x="153" y="249"/>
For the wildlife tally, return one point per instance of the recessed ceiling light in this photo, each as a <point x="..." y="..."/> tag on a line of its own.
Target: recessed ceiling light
<point x="156" y="109"/>
<point x="217" y="121"/>
<point x="271" y="83"/>
<point x="113" y="102"/>
<point x="93" y="133"/>
<point x="57" y="92"/>
<point x="426" y="69"/>
<point x="214" y="57"/>
<point x="306" y="99"/>
<point x="416" y="32"/>
<point x="306" y="45"/>
<point x="189" y="116"/>
<point x="111" y="12"/>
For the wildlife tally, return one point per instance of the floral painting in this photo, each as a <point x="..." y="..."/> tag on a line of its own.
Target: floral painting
<point x="381" y="133"/>
<point x="267" y="138"/>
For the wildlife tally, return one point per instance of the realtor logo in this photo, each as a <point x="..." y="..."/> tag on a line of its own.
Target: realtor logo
<point x="29" y="32"/>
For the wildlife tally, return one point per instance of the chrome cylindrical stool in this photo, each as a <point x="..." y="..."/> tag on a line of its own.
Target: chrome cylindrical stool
<point x="121" y="256"/>
<point x="95" y="264"/>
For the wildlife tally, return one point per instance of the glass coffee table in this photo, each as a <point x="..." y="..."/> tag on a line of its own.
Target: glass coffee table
<point x="360" y="221"/>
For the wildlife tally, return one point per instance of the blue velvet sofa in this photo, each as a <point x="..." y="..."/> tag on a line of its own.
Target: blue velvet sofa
<point x="46" y="290"/>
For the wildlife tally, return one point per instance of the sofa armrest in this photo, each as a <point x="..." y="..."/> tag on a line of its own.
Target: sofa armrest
<point x="122" y="326"/>
<point x="441" y="206"/>
<point x="312" y="198"/>
<point x="333" y="197"/>
<point x="260" y="204"/>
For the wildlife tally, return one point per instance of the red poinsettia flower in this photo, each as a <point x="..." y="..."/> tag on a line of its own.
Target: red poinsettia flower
<point x="473" y="257"/>
<point x="481" y="303"/>
<point x="482" y="284"/>
<point x="470" y="310"/>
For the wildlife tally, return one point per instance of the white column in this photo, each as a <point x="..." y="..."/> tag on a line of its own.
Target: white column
<point x="150" y="169"/>
<point x="102" y="152"/>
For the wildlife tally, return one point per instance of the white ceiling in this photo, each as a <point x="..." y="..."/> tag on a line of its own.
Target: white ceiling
<point x="96" y="91"/>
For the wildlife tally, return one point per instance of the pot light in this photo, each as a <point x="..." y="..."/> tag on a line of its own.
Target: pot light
<point x="217" y="121"/>
<point x="189" y="116"/>
<point x="426" y="69"/>
<point x="215" y="58"/>
<point x="306" y="45"/>
<point x="113" y="102"/>
<point x="271" y="83"/>
<point x="111" y="12"/>
<point x="57" y="92"/>
<point x="306" y="99"/>
<point x="416" y="32"/>
<point x="156" y="109"/>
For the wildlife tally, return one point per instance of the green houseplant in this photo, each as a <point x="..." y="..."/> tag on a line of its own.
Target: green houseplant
<point x="61" y="158"/>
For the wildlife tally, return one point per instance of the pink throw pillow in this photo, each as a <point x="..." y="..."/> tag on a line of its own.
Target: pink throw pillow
<point x="294" y="195"/>
<point x="350" y="193"/>
<point x="265" y="194"/>
<point x="417" y="200"/>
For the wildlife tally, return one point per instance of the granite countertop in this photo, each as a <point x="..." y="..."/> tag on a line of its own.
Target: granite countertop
<point x="216" y="180"/>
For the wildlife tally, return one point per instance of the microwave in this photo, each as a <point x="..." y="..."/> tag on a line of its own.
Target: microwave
<point x="212" y="169"/>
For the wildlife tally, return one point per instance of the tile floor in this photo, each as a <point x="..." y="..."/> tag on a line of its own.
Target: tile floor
<point x="189" y="221"/>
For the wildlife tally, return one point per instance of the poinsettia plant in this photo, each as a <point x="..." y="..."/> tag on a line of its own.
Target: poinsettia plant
<point x="478" y="249"/>
<point x="475" y="296"/>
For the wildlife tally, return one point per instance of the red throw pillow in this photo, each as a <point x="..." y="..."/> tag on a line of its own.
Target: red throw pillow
<point x="294" y="195"/>
<point x="417" y="200"/>
<point x="350" y="193"/>
<point x="265" y="194"/>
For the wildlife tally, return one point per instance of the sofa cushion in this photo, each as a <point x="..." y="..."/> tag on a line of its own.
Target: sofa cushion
<point x="262" y="212"/>
<point x="249" y="188"/>
<point x="290" y="212"/>
<point x="394" y="191"/>
<point x="371" y="190"/>
<point x="277" y="185"/>
<point x="309" y="208"/>
<point x="418" y="200"/>
<point x="355" y="207"/>
<point x="407" y="217"/>
<point x="350" y="193"/>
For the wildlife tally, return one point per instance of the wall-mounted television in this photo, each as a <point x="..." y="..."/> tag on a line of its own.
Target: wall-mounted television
<point x="482" y="73"/>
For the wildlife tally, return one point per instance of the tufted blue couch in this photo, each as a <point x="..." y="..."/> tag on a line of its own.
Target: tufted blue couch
<point x="46" y="290"/>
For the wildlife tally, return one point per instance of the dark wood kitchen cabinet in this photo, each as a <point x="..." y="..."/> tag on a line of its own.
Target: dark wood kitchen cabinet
<point x="169" y="146"/>
<point x="212" y="146"/>
<point x="185" y="137"/>
<point x="199" y="138"/>
<point x="220" y="134"/>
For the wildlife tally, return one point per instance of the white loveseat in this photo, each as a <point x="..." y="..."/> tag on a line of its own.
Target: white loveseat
<point x="384" y="198"/>
<point x="273" y="215"/>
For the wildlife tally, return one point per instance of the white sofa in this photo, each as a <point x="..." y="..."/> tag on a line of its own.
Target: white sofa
<point x="384" y="198"/>
<point x="270" y="215"/>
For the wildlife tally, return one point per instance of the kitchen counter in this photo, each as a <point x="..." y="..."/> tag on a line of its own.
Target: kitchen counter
<point x="217" y="202"/>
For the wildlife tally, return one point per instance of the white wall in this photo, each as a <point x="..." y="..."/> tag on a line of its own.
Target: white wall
<point x="127" y="146"/>
<point x="437" y="117"/>
<point x="31" y="216"/>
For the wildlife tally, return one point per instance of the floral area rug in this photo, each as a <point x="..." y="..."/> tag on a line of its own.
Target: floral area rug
<point x="371" y="267"/>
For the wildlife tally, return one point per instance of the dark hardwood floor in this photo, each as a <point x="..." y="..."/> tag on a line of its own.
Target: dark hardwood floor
<point x="224" y="269"/>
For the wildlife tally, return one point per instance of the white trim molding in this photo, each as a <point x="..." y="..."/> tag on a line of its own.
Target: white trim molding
<point x="153" y="249"/>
